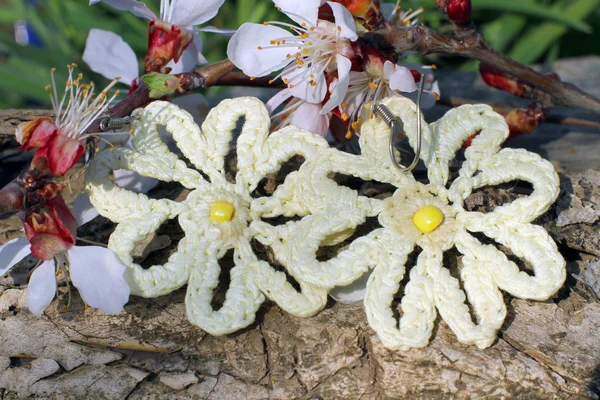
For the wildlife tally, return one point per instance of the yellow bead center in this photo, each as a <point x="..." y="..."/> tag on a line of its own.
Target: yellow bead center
<point x="222" y="211"/>
<point x="428" y="218"/>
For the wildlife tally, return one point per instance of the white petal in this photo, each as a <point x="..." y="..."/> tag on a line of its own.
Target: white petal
<point x="354" y="293"/>
<point x="402" y="80"/>
<point x="303" y="90"/>
<point x="188" y="13"/>
<point x="277" y="100"/>
<point x="133" y="181"/>
<point x="344" y="20"/>
<point x="308" y="117"/>
<point x="137" y="8"/>
<point x="187" y="62"/>
<point x="214" y="29"/>
<point x="300" y="10"/>
<point x="12" y="252"/>
<point x="100" y="278"/>
<point x="83" y="210"/>
<point x="107" y="54"/>
<point x="199" y="44"/>
<point x="243" y="51"/>
<point x="341" y="88"/>
<point x="42" y="288"/>
<point x="195" y="104"/>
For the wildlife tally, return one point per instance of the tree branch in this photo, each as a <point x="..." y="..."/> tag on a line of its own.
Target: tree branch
<point x="472" y="44"/>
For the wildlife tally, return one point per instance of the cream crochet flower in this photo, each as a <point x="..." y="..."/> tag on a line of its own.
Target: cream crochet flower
<point x="485" y="269"/>
<point x="330" y="214"/>
<point x="207" y="238"/>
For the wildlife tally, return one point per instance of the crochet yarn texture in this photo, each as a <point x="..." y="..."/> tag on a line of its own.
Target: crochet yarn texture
<point x="218" y="216"/>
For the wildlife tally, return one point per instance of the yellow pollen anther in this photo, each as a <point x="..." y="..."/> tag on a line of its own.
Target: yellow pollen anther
<point x="252" y="78"/>
<point x="221" y="211"/>
<point x="355" y="125"/>
<point x="303" y="24"/>
<point x="345" y="116"/>
<point x="373" y="85"/>
<point x="348" y="134"/>
<point x="285" y="80"/>
<point x="270" y="81"/>
<point x="428" y="218"/>
<point x="436" y="96"/>
<point x="339" y="28"/>
<point x="265" y="23"/>
<point x="259" y="47"/>
<point x="433" y="66"/>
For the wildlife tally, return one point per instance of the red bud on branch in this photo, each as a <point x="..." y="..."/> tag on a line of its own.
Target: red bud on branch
<point x="524" y="120"/>
<point x="459" y="11"/>
<point x="166" y="42"/>
<point x="501" y="80"/>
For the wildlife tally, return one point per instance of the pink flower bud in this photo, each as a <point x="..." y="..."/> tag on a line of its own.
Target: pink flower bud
<point x="50" y="228"/>
<point x="35" y="134"/>
<point x="459" y="11"/>
<point x="166" y="42"/>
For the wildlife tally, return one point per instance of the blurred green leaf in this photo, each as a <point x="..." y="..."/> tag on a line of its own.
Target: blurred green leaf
<point x="535" y="10"/>
<point x="536" y="41"/>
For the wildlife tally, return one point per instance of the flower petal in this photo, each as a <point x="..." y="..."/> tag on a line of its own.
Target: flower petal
<point x="214" y="29"/>
<point x="107" y="54"/>
<point x="341" y="88"/>
<point x="401" y="79"/>
<point x="100" y="278"/>
<point x="344" y="21"/>
<point x="243" y="50"/>
<point x="12" y="252"/>
<point x="188" y="13"/>
<point x="42" y="288"/>
<point x="305" y="91"/>
<point x="277" y="100"/>
<point x="63" y="153"/>
<point x="300" y="10"/>
<point x="133" y="181"/>
<point x="187" y="61"/>
<point x="308" y="117"/>
<point x="83" y="210"/>
<point x="354" y="293"/>
<point x="137" y="8"/>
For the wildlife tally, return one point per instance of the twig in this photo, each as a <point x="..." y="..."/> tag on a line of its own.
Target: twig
<point x="505" y="109"/>
<point x="472" y="44"/>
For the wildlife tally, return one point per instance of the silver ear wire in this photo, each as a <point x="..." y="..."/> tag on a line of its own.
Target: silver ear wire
<point x="392" y="121"/>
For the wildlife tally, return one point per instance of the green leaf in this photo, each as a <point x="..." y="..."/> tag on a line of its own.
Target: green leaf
<point x="536" y="41"/>
<point x="535" y="10"/>
<point x="501" y="32"/>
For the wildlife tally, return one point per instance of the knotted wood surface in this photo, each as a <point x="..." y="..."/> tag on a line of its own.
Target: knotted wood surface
<point x="150" y="351"/>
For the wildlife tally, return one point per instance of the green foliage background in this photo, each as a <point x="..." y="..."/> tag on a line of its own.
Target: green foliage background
<point x="530" y="31"/>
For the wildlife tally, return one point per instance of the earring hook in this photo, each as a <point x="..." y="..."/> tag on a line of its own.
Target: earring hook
<point x="391" y="120"/>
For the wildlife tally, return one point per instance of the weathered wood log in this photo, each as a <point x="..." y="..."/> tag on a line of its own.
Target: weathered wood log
<point x="150" y="351"/>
